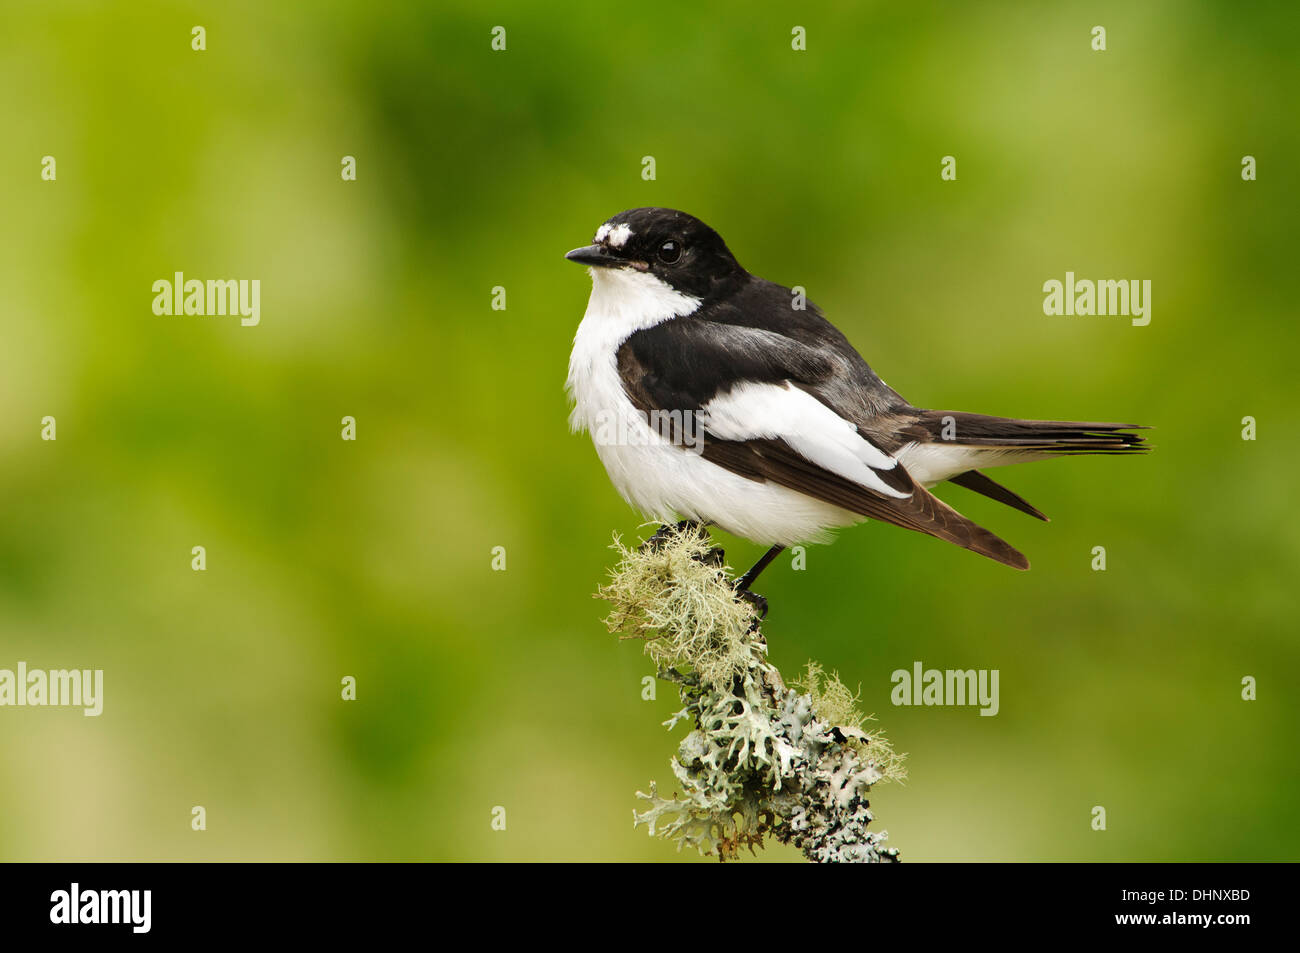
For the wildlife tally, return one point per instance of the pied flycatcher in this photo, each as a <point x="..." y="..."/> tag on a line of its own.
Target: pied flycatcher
<point x="713" y="396"/>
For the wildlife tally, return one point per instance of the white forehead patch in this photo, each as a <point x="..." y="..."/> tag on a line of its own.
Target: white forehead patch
<point x="618" y="235"/>
<point x="602" y="233"/>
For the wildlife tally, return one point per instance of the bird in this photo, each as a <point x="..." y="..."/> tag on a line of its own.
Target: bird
<point x="717" y="398"/>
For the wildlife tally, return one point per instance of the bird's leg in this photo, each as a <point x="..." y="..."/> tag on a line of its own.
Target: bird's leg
<point x="744" y="582"/>
<point x="747" y="580"/>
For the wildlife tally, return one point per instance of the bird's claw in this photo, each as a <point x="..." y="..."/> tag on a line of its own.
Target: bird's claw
<point x="714" y="557"/>
<point x="755" y="600"/>
<point x="666" y="532"/>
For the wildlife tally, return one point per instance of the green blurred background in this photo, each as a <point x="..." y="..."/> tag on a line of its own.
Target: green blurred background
<point x="479" y="168"/>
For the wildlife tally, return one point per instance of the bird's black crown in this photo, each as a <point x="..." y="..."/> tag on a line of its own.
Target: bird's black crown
<point x="677" y="248"/>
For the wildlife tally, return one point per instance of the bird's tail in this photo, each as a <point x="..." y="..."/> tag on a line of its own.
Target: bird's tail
<point x="1012" y="433"/>
<point x="978" y="440"/>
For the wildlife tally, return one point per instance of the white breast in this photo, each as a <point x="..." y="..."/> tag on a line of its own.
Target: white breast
<point x="665" y="481"/>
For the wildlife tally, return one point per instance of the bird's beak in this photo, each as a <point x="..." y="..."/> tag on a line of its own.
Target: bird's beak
<point x="596" y="255"/>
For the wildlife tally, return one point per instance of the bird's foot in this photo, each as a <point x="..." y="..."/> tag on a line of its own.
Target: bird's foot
<point x="664" y="533"/>
<point x="713" y="557"/>
<point x="754" y="599"/>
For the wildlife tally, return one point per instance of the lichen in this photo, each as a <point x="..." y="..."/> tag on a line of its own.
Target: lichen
<point x="678" y="599"/>
<point x="762" y="759"/>
<point x="834" y="704"/>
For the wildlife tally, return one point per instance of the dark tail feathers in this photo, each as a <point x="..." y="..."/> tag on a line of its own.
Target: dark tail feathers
<point x="1048" y="436"/>
<point x="1056" y="436"/>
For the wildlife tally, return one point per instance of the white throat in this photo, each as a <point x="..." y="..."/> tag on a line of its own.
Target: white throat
<point x="626" y="300"/>
<point x="623" y="301"/>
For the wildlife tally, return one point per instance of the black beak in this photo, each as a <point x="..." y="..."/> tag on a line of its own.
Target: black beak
<point x="597" y="255"/>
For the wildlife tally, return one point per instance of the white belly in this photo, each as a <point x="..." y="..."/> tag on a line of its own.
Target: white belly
<point x="665" y="482"/>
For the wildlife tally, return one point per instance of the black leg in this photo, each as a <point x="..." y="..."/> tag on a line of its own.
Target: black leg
<point x="747" y="580"/>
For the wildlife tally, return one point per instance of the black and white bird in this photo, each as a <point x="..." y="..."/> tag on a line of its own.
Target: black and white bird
<point x="714" y="398"/>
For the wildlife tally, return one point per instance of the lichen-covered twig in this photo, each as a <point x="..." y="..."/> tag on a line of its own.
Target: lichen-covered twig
<point x="762" y="759"/>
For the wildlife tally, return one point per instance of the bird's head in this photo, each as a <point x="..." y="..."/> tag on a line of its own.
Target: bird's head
<point x="676" y="248"/>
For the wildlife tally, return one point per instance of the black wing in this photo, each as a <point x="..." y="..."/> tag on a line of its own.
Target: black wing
<point x="684" y="364"/>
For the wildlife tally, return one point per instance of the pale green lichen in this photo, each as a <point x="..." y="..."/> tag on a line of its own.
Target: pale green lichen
<point x="833" y="703"/>
<point x="678" y="599"/>
<point x="762" y="759"/>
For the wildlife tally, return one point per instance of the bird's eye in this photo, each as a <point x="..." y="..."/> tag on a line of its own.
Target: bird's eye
<point x="670" y="251"/>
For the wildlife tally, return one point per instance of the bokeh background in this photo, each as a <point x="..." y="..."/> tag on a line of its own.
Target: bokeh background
<point x="478" y="168"/>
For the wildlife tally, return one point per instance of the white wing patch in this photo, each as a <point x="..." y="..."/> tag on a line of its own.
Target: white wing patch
<point x="751" y="411"/>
